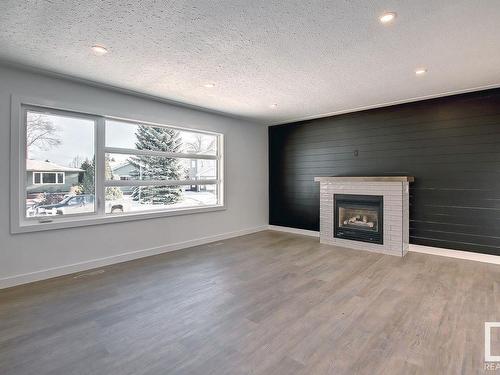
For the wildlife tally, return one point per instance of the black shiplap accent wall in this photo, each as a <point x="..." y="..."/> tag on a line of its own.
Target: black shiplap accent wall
<point x="451" y="145"/>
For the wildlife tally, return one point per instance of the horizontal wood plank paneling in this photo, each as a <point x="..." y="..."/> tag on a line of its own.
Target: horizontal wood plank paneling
<point x="451" y="145"/>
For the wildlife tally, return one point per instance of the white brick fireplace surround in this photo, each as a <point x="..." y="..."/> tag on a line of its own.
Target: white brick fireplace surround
<point x="393" y="189"/>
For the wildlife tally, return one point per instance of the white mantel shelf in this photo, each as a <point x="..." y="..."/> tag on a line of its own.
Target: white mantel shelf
<point x="365" y="179"/>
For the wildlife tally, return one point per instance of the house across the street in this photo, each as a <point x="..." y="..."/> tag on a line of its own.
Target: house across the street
<point x="123" y="171"/>
<point x="46" y="177"/>
<point x="196" y="169"/>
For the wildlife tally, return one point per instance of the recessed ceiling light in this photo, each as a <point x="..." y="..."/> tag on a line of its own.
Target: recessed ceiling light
<point x="99" y="50"/>
<point x="274" y="105"/>
<point x="387" y="17"/>
<point x="209" y="85"/>
<point x="420" y="71"/>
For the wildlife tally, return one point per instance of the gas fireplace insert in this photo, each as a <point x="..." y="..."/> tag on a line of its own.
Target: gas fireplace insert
<point x="359" y="217"/>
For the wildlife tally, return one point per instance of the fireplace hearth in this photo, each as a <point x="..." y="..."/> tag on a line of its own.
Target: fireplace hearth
<point x="359" y="217"/>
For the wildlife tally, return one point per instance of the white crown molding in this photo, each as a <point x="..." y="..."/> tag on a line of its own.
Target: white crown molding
<point x="121" y="90"/>
<point x="387" y="104"/>
<point x="50" y="73"/>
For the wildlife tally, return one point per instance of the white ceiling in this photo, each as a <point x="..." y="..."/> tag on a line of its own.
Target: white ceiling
<point x="312" y="58"/>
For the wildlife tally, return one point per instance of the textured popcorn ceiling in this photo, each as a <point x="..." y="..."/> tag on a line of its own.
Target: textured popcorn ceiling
<point x="310" y="57"/>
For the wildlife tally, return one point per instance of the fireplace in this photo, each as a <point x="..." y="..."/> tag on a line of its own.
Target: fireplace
<point x="384" y="200"/>
<point x="359" y="217"/>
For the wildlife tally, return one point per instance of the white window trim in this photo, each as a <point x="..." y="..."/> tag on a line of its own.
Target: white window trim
<point x="34" y="178"/>
<point x="63" y="178"/>
<point x="21" y="224"/>
<point x="48" y="183"/>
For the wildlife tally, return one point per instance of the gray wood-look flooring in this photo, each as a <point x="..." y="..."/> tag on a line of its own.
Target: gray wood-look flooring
<point x="266" y="303"/>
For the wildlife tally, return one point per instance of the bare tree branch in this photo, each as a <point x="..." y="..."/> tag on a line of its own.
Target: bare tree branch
<point x="41" y="132"/>
<point x="198" y="146"/>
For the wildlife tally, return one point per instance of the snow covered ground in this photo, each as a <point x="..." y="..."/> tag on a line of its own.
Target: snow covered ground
<point x="189" y="199"/>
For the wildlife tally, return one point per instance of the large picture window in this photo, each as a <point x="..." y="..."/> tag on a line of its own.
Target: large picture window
<point x="82" y="168"/>
<point x="156" y="168"/>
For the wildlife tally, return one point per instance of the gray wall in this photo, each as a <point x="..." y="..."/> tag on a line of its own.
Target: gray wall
<point x="245" y="173"/>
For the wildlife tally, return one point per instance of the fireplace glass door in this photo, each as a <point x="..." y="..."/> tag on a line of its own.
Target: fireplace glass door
<point x="359" y="217"/>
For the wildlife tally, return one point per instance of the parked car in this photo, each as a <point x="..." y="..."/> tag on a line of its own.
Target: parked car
<point x="73" y="204"/>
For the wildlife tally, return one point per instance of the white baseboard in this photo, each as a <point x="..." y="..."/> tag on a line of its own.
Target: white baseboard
<point x="101" y="262"/>
<point x="466" y="255"/>
<point x="304" y="232"/>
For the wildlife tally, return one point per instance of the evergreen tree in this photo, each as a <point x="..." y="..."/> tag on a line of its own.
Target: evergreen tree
<point x="87" y="186"/>
<point x="157" y="168"/>
<point x="111" y="192"/>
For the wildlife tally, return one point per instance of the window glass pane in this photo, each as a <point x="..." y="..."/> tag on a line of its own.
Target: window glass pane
<point x="49" y="178"/>
<point x="141" y="167"/>
<point x="147" y="198"/>
<point x="156" y="138"/>
<point x="59" y="164"/>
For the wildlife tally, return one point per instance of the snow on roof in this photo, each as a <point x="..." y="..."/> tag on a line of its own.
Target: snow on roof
<point x="118" y="164"/>
<point x="45" y="166"/>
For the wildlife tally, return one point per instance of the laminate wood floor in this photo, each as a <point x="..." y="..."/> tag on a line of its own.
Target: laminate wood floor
<point x="266" y="303"/>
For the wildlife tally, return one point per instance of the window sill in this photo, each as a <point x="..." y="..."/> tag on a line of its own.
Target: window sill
<point x="73" y="222"/>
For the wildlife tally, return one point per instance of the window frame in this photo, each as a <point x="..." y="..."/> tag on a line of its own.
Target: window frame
<point x="20" y="223"/>
<point x="49" y="183"/>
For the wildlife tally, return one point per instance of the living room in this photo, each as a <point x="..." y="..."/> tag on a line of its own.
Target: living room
<point x="249" y="188"/>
